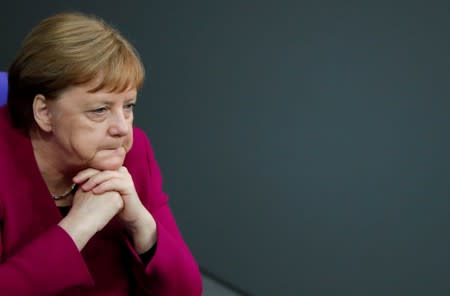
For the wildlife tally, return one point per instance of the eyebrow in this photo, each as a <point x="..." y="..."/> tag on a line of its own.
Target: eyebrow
<point x="109" y="102"/>
<point x="131" y="99"/>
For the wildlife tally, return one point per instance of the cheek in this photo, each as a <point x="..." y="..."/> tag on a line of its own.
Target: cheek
<point x="86" y="149"/>
<point x="129" y="141"/>
<point x="86" y="143"/>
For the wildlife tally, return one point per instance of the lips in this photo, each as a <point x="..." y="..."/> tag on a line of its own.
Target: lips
<point x="113" y="147"/>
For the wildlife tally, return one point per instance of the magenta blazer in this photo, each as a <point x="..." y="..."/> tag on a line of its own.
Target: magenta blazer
<point x="37" y="257"/>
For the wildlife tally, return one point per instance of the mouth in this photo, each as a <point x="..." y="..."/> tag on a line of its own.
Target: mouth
<point x="115" y="150"/>
<point x="113" y="147"/>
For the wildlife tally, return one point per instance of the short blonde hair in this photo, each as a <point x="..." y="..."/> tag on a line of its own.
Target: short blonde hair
<point x="69" y="49"/>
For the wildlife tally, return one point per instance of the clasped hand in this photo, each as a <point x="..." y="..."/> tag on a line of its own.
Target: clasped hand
<point x="104" y="194"/>
<point x="120" y="181"/>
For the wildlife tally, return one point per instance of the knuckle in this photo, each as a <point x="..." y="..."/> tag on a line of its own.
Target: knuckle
<point x="118" y="202"/>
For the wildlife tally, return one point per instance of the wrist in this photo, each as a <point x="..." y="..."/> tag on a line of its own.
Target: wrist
<point x="143" y="232"/>
<point x="80" y="233"/>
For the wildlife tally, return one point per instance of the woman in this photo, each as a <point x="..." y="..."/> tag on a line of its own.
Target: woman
<point x="82" y="211"/>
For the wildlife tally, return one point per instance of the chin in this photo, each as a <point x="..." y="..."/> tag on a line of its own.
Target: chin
<point x="108" y="165"/>
<point x="110" y="160"/>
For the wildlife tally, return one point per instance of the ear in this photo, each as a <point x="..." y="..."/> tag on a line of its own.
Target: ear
<point x="41" y="113"/>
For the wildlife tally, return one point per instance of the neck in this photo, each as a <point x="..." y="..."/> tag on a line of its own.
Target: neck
<point x="64" y="202"/>
<point x="57" y="178"/>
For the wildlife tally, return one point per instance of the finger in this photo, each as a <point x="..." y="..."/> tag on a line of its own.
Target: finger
<point x="113" y="184"/>
<point x="123" y="170"/>
<point x="84" y="175"/>
<point x="99" y="178"/>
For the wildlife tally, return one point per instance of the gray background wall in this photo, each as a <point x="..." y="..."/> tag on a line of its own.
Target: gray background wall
<point x="304" y="144"/>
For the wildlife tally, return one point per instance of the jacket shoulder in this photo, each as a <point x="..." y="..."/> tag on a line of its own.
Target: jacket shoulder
<point x="141" y="152"/>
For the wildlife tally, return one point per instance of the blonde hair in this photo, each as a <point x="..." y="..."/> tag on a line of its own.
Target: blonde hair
<point x="69" y="49"/>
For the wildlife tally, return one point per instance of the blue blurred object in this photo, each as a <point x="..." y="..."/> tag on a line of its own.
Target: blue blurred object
<point x="3" y="87"/>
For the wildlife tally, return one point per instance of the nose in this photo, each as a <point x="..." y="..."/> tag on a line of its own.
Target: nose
<point x="119" y="125"/>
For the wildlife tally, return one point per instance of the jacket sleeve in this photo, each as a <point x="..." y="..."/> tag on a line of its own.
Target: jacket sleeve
<point x="172" y="270"/>
<point x="50" y="257"/>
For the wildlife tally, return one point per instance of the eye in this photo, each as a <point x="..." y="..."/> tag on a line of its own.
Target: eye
<point x="130" y="106"/>
<point x="99" y="111"/>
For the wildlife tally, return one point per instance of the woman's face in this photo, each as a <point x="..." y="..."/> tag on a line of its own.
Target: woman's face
<point x="93" y="129"/>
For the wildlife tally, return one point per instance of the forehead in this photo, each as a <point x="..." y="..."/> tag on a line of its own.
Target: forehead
<point x="84" y="94"/>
